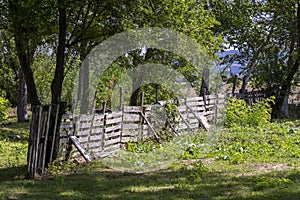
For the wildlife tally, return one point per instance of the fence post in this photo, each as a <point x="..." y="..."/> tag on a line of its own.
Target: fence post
<point x="121" y="98"/>
<point x="33" y="142"/>
<point x="143" y="113"/>
<point x="104" y="126"/>
<point x="46" y="138"/>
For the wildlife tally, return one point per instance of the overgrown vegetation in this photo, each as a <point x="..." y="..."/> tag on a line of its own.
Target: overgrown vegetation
<point x="240" y="114"/>
<point x="13" y="149"/>
<point x="4" y="105"/>
<point x="260" y="161"/>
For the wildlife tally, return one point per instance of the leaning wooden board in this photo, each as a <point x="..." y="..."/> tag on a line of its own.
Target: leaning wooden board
<point x="80" y="148"/>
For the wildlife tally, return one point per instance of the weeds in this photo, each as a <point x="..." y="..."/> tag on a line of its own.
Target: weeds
<point x="238" y="155"/>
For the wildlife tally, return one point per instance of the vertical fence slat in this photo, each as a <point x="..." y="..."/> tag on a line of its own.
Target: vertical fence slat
<point x="54" y="135"/>
<point x="46" y="138"/>
<point x="193" y="110"/>
<point x="37" y="140"/>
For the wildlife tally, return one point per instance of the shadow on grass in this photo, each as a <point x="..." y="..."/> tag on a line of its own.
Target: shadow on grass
<point x="12" y="173"/>
<point x="175" y="184"/>
<point x="15" y="128"/>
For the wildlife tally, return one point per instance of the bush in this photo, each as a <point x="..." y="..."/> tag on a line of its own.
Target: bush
<point x="4" y="104"/>
<point x="239" y="113"/>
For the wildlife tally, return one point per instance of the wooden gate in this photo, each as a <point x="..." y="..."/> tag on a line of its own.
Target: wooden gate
<point x="43" y="138"/>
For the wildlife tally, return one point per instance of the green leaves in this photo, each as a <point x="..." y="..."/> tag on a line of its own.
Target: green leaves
<point x="239" y="113"/>
<point x="4" y="104"/>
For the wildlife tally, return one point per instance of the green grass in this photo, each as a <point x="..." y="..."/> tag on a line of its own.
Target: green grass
<point x="251" y="163"/>
<point x="13" y="151"/>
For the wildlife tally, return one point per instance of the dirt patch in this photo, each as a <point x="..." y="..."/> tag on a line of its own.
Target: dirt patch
<point x="257" y="168"/>
<point x="268" y="167"/>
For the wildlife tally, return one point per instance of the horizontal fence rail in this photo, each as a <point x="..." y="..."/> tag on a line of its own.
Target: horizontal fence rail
<point x="100" y="135"/>
<point x="105" y="134"/>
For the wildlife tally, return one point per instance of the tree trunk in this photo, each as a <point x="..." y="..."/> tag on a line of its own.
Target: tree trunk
<point x="83" y="85"/>
<point x="280" y="106"/>
<point x="25" y="62"/>
<point x="138" y="76"/>
<point x="25" y="49"/>
<point x="56" y="86"/>
<point x="22" y="98"/>
<point x="205" y="82"/>
<point x="137" y="79"/>
<point x="83" y="93"/>
<point x="248" y="74"/>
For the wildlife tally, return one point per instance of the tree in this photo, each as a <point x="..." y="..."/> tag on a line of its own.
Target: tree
<point x="12" y="77"/>
<point x="9" y="68"/>
<point x="74" y="27"/>
<point x="266" y="34"/>
<point x="188" y="17"/>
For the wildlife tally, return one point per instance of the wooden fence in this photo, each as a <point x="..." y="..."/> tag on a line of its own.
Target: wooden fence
<point x="251" y="97"/>
<point x="42" y="138"/>
<point x="102" y="135"/>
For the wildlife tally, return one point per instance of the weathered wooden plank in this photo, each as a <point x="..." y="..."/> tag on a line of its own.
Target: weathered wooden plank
<point x="211" y="101"/>
<point x="130" y="126"/>
<point x="183" y="126"/>
<point x="95" y="137"/>
<point x="131" y="117"/>
<point x="212" y="96"/>
<point x="128" y="139"/>
<point x="202" y="108"/>
<point x="82" y="132"/>
<point x="184" y="116"/>
<point x="98" y="124"/>
<point x="83" y="139"/>
<point x="127" y="109"/>
<point x="194" y="99"/>
<point x="194" y="126"/>
<point x="84" y="125"/>
<point x="118" y="113"/>
<point x="114" y="115"/>
<point x="114" y="121"/>
<point x="67" y="117"/>
<point x="113" y="134"/>
<point x="221" y="96"/>
<point x="181" y="108"/>
<point x="94" y="144"/>
<point x="66" y="125"/>
<point x="98" y="117"/>
<point x="86" y="118"/>
<point x="65" y="133"/>
<point x="111" y="141"/>
<point x="130" y="133"/>
<point x="204" y="122"/>
<point x="210" y="106"/>
<point x="193" y="120"/>
<point x="80" y="148"/>
<point x="195" y="103"/>
<point x="97" y="130"/>
<point x="113" y="128"/>
<point x="211" y="112"/>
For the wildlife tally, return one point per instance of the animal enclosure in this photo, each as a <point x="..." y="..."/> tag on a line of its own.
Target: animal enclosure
<point x="97" y="136"/>
<point x="103" y="135"/>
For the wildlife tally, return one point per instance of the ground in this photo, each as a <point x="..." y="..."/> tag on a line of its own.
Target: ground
<point x="243" y="170"/>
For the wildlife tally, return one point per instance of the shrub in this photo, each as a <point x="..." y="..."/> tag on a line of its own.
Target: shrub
<point x="239" y="113"/>
<point x="4" y="104"/>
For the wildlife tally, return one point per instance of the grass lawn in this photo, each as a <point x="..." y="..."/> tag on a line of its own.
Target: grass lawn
<point x="241" y="164"/>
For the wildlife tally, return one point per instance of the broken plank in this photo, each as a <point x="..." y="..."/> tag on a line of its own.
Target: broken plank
<point x="80" y="148"/>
